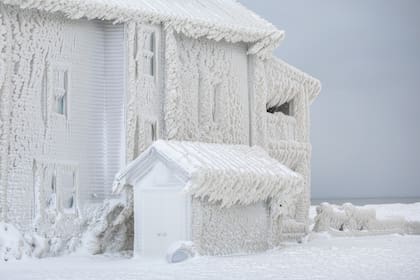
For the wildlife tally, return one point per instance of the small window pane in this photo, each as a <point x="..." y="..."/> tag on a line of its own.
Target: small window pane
<point x="154" y="133"/>
<point x="216" y="105"/>
<point x="51" y="196"/>
<point x="67" y="189"/>
<point x="61" y="105"/>
<point x="60" y="88"/>
<point x="149" y="54"/>
<point x="152" y="42"/>
<point x="149" y="66"/>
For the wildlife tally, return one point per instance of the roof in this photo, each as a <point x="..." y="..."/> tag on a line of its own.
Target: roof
<point x="214" y="19"/>
<point x="287" y="81"/>
<point x="229" y="174"/>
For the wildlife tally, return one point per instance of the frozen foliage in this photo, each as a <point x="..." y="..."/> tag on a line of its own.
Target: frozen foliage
<point x="351" y="220"/>
<point x="109" y="228"/>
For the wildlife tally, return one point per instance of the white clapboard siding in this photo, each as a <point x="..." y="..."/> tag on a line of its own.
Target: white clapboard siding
<point x="114" y="101"/>
<point x="96" y="107"/>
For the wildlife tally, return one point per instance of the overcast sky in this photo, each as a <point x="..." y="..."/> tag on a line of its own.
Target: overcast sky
<point x="366" y="124"/>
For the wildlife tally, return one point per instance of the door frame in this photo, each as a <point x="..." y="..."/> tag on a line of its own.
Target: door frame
<point x="138" y="248"/>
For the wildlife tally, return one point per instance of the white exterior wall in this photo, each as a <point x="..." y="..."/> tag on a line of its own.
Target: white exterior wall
<point x="39" y="141"/>
<point x="206" y="95"/>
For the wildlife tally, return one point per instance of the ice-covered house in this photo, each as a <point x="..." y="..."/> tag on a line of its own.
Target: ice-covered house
<point x="86" y="86"/>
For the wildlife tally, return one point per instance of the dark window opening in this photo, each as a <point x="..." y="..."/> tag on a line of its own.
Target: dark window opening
<point x="284" y="108"/>
<point x="153" y="129"/>
<point x="216" y="97"/>
<point x="136" y="139"/>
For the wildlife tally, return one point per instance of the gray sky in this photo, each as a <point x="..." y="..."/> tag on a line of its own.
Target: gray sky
<point x="366" y="124"/>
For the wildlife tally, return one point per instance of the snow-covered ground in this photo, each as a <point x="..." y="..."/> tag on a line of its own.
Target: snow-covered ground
<point x="319" y="257"/>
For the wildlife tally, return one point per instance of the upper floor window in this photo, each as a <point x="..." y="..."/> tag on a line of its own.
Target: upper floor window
<point x="216" y="102"/>
<point x="151" y="131"/>
<point x="149" y="53"/>
<point x="60" y="89"/>
<point x="285" y="108"/>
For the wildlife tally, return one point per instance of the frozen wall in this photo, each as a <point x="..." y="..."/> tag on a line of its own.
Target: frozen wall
<point x="144" y="114"/>
<point x="56" y="99"/>
<point x="207" y="91"/>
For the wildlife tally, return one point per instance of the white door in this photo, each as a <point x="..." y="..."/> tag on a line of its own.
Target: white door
<point x="160" y="219"/>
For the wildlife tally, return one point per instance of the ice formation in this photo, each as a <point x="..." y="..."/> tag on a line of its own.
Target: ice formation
<point x="352" y="220"/>
<point x="227" y="174"/>
<point x="216" y="19"/>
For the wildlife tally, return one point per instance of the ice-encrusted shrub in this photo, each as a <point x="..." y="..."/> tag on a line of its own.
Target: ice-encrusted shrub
<point x="110" y="227"/>
<point x="350" y="219"/>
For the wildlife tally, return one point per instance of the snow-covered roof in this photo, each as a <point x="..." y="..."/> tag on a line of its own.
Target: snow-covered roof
<point x="287" y="81"/>
<point x="229" y="174"/>
<point x="214" y="19"/>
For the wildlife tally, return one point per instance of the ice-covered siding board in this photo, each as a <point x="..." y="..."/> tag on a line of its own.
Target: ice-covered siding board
<point x="42" y="53"/>
<point x="206" y="90"/>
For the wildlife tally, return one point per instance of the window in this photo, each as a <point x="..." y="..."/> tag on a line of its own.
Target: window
<point x="136" y="139"/>
<point x="67" y="191"/>
<point x="51" y="193"/>
<point x="55" y="186"/>
<point x="60" y="89"/>
<point x="285" y="108"/>
<point x="153" y="128"/>
<point x="44" y="98"/>
<point x="216" y="102"/>
<point x="151" y="131"/>
<point x="149" y="52"/>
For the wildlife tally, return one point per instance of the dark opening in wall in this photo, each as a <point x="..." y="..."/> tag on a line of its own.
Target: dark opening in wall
<point x="285" y="108"/>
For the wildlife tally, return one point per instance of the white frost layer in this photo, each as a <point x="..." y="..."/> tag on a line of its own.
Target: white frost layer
<point x="214" y="19"/>
<point x="229" y="174"/>
<point x="352" y="220"/>
<point x="348" y="258"/>
<point x="14" y="245"/>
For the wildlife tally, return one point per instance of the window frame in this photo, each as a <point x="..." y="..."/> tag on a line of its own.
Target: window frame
<point x="63" y="69"/>
<point x="152" y="131"/>
<point x="146" y="53"/>
<point x="277" y="109"/>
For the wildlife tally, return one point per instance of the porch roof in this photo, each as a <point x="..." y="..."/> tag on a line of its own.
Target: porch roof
<point x="229" y="174"/>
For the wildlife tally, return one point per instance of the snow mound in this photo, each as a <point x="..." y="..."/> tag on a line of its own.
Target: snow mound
<point x="351" y="220"/>
<point x="12" y="244"/>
